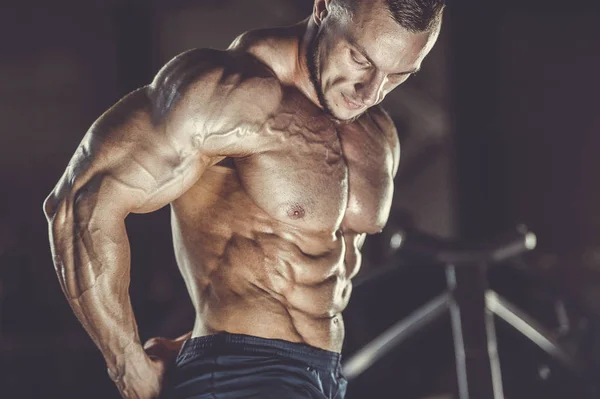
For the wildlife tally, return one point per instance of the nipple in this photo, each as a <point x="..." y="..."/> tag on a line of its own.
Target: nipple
<point x="296" y="211"/>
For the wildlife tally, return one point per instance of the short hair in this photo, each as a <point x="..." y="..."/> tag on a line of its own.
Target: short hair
<point x="413" y="15"/>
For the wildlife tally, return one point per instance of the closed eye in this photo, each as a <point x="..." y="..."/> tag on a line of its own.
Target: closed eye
<point x="359" y="59"/>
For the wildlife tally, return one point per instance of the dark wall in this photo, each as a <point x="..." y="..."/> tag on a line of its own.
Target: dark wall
<point x="510" y="95"/>
<point x="525" y="91"/>
<point x="526" y="84"/>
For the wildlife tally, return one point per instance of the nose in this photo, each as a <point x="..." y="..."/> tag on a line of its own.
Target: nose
<point x="369" y="91"/>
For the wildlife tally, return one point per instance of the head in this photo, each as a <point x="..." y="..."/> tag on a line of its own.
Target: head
<point x="366" y="48"/>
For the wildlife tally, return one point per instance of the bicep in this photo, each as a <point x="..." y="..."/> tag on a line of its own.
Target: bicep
<point x="395" y="143"/>
<point x="392" y="135"/>
<point x="128" y="163"/>
<point x="360" y="240"/>
<point x="150" y="147"/>
<point x="387" y="127"/>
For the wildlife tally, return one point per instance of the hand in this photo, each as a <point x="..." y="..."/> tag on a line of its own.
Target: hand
<point x="165" y="349"/>
<point x="144" y="374"/>
<point x="141" y="377"/>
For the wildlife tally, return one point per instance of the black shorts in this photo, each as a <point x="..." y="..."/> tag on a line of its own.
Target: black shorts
<point x="228" y="366"/>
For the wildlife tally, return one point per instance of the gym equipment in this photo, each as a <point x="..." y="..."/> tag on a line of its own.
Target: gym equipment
<point x="471" y="304"/>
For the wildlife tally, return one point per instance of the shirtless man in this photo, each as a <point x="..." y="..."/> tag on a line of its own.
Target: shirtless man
<point x="277" y="162"/>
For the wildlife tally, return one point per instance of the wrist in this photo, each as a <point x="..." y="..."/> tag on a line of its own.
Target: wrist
<point x="133" y="357"/>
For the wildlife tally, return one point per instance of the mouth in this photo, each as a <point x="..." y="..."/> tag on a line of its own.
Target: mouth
<point x="351" y="104"/>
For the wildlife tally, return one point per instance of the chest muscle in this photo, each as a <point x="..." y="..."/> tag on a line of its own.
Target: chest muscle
<point x="320" y="174"/>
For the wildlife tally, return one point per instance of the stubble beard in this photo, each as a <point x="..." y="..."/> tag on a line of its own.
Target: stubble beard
<point x="313" y="64"/>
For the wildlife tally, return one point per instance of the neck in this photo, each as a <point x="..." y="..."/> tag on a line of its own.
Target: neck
<point x="300" y="75"/>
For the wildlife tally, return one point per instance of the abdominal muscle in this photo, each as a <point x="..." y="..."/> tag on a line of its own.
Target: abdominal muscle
<point x="248" y="273"/>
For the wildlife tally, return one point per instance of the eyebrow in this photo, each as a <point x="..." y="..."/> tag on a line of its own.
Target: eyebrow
<point x="363" y="52"/>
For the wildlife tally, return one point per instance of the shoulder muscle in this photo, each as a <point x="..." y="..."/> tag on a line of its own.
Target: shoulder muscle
<point x="152" y="145"/>
<point x="219" y="96"/>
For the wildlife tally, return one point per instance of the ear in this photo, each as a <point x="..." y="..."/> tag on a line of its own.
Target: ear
<point x="320" y="10"/>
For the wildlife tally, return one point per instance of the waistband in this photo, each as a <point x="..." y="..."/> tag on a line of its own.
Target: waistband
<point x="224" y="343"/>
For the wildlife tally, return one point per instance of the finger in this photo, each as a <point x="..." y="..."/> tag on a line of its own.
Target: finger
<point x="159" y="348"/>
<point x="162" y="349"/>
<point x="153" y="342"/>
<point x="184" y="337"/>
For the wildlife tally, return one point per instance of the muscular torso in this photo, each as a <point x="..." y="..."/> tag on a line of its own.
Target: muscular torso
<point x="268" y="243"/>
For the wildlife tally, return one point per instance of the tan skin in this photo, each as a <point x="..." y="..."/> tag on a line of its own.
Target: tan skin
<point x="271" y="196"/>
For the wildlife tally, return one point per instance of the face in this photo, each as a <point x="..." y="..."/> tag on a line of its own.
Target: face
<point x="355" y="61"/>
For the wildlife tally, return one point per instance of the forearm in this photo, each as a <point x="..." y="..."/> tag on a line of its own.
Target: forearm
<point x="92" y="260"/>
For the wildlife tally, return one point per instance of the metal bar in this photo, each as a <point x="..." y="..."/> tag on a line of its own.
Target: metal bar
<point x="493" y="353"/>
<point x="527" y="326"/>
<point x="439" y="251"/>
<point x="469" y="328"/>
<point x="459" y="351"/>
<point x="395" y="335"/>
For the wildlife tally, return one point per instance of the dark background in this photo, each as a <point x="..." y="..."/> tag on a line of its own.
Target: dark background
<point x="501" y="127"/>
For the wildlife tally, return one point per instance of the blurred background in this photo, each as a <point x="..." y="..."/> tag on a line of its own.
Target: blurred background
<point x="500" y="127"/>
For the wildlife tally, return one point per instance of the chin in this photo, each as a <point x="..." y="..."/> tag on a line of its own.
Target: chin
<point x="342" y="113"/>
<point x="349" y="116"/>
<point x="346" y="115"/>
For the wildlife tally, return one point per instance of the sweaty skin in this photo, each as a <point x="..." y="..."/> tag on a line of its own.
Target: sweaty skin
<point x="272" y="193"/>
